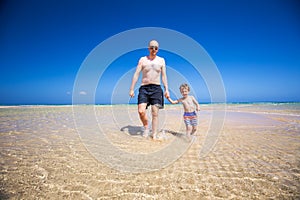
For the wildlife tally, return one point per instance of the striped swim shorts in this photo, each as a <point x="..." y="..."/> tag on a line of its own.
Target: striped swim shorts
<point x="190" y="118"/>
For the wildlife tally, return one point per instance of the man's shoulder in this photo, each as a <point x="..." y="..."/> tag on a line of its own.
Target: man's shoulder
<point x="143" y="58"/>
<point x="159" y="58"/>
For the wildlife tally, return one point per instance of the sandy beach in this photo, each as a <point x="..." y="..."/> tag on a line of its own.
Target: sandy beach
<point x="46" y="154"/>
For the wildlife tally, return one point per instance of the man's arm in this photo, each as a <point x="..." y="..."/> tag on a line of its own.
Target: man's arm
<point x="135" y="78"/>
<point x="165" y="80"/>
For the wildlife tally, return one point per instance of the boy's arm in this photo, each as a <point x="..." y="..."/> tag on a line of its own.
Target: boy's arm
<point x="173" y="101"/>
<point x="196" y="104"/>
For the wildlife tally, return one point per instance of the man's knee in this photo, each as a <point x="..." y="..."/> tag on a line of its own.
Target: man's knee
<point x="154" y="112"/>
<point x="142" y="109"/>
<point x="142" y="112"/>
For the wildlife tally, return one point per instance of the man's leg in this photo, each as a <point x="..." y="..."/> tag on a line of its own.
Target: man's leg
<point x="155" y="110"/>
<point x="143" y="116"/>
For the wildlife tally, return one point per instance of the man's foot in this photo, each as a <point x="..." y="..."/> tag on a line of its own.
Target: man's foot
<point x="163" y="135"/>
<point x="155" y="137"/>
<point x="146" y="133"/>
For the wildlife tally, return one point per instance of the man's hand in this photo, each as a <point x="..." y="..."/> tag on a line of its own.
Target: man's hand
<point x="131" y="93"/>
<point x="167" y="95"/>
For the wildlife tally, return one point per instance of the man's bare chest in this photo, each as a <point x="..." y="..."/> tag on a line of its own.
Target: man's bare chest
<point x="152" y="67"/>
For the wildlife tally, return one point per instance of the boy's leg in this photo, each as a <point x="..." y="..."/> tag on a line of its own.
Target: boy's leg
<point x="188" y="126"/>
<point x="194" y="123"/>
<point x="194" y="129"/>
<point x="189" y="129"/>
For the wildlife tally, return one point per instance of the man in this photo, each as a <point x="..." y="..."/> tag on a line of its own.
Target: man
<point x="153" y="68"/>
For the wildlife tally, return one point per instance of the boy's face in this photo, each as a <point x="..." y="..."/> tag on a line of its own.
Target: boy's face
<point x="184" y="92"/>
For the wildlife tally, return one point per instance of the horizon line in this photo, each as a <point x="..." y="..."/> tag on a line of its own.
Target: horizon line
<point x="231" y="102"/>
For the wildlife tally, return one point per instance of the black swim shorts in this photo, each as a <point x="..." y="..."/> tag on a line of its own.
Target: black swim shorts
<point x="152" y="95"/>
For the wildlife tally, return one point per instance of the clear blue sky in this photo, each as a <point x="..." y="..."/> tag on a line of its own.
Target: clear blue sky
<point x="254" y="43"/>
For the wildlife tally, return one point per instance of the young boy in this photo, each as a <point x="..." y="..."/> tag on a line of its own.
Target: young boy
<point x="190" y="105"/>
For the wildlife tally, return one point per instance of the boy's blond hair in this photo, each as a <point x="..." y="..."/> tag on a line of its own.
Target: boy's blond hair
<point x="184" y="85"/>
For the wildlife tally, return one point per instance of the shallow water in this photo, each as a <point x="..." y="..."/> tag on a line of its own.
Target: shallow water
<point x="256" y="155"/>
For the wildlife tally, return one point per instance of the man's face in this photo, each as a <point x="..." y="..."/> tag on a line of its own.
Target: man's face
<point x="153" y="47"/>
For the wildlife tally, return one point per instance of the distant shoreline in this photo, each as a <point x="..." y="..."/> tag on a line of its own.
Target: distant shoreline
<point x="134" y="104"/>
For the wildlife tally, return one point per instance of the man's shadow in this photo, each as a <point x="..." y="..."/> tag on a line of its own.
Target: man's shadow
<point x="132" y="130"/>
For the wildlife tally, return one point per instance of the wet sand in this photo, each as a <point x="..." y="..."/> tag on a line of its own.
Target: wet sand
<point x="256" y="155"/>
